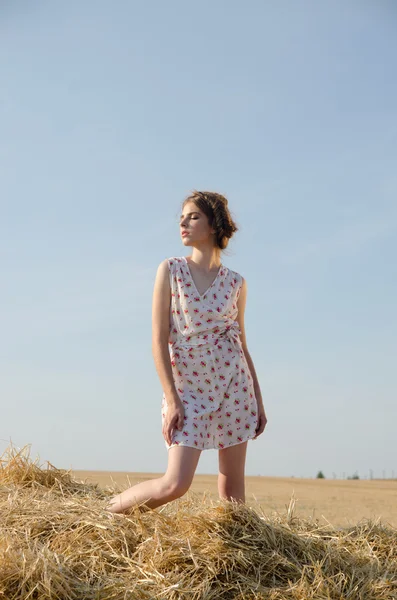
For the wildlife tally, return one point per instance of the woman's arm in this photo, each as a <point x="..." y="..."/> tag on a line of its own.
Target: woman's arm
<point x="241" y="302"/>
<point x="161" y="330"/>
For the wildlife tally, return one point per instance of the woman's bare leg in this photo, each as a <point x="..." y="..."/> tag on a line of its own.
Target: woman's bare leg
<point x="231" y="482"/>
<point x="182" y="463"/>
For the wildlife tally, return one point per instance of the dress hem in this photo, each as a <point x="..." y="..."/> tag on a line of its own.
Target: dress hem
<point x="211" y="447"/>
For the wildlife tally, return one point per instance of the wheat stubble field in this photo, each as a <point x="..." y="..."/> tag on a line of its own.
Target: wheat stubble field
<point x="340" y="502"/>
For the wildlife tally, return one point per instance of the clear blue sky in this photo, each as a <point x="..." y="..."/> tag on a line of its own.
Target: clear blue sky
<point x="110" y="114"/>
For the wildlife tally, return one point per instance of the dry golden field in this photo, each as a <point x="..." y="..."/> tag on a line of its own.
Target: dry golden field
<point x="339" y="502"/>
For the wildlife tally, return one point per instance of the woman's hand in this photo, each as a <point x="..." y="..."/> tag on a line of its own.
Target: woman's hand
<point x="262" y="420"/>
<point x="173" y="420"/>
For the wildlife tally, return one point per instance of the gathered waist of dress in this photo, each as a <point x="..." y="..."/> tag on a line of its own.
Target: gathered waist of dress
<point x="230" y="332"/>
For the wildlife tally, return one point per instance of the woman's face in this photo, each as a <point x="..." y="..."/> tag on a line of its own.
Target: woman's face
<point x="194" y="227"/>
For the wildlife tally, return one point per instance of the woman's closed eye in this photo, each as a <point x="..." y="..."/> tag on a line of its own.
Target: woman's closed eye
<point x="191" y="218"/>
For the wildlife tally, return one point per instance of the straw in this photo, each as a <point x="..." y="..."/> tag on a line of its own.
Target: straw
<point x="58" y="542"/>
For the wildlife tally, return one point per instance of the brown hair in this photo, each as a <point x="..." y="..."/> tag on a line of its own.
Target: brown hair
<point x="215" y="207"/>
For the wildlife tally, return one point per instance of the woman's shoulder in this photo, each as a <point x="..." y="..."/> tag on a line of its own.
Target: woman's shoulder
<point x="171" y="263"/>
<point x="174" y="260"/>
<point x="235" y="275"/>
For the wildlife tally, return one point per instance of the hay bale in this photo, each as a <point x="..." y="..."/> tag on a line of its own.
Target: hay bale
<point x="59" y="542"/>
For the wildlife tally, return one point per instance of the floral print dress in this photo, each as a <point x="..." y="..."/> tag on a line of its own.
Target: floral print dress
<point x="209" y="367"/>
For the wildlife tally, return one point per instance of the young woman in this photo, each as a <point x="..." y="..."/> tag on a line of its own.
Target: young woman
<point x="211" y="395"/>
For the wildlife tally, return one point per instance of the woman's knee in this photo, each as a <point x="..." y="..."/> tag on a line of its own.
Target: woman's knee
<point x="177" y="487"/>
<point x="231" y="485"/>
<point x="182" y="463"/>
<point x="230" y="488"/>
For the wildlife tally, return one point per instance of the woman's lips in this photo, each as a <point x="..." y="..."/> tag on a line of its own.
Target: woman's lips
<point x="185" y="233"/>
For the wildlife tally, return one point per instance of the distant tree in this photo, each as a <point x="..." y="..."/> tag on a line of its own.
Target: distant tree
<point x="354" y="476"/>
<point x="320" y="475"/>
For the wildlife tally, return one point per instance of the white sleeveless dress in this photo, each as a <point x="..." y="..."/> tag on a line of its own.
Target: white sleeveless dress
<point x="209" y="367"/>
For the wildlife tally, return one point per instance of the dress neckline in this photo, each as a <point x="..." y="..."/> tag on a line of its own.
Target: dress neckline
<point x="192" y="280"/>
